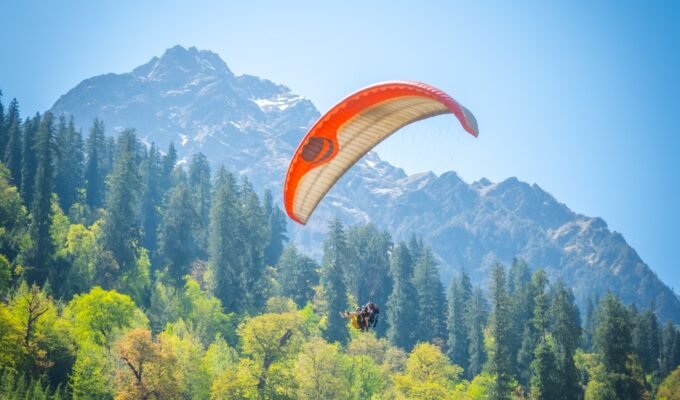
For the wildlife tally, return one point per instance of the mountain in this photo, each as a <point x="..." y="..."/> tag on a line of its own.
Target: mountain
<point x="252" y="126"/>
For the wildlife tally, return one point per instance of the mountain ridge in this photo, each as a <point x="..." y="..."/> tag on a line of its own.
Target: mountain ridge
<point x="252" y="126"/>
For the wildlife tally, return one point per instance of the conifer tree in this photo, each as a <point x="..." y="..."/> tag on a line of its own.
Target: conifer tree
<point x="223" y="250"/>
<point x="68" y="163"/>
<point x="476" y="317"/>
<point x="431" y="298"/>
<point x="523" y="337"/>
<point x="458" y="343"/>
<point x="3" y="130"/>
<point x="254" y="233"/>
<point x="29" y="161"/>
<point x="669" y="358"/>
<point x="277" y="230"/>
<point x="175" y="240"/>
<point x="121" y="231"/>
<point x="544" y="371"/>
<point x="40" y="254"/>
<point x="613" y="341"/>
<point x="335" y="258"/>
<point x="297" y="275"/>
<point x="368" y="269"/>
<point x="646" y="340"/>
<point x="95" y="169"/>
<point x="565" y="328"/>
<point x="201" y="191"/>
<point x="12" y="154"/>
<point x="535" y="302"/>
<point x="151" y="199"/>
<point x="402" y="303"/>
<point x="501" y="363"/>
<point x="168" y="165"/>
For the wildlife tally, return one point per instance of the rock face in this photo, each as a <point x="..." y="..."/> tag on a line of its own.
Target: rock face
<point x="253" y="125"/>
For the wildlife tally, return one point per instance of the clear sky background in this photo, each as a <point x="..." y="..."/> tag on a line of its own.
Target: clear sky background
<point x="582" y="97"/>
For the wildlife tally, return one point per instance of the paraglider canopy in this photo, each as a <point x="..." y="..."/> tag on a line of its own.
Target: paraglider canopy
<point x="351" y="129"/>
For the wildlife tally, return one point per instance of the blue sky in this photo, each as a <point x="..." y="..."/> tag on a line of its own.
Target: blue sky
<point x="580" y="97"/>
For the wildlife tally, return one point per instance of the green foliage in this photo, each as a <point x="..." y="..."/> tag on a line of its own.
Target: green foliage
<point x="121" y="229"/>
<point x="277" y="222"/>
<point x="335" y="259"/>
<point x="12" y="147"/>
<point x="367" y="276"/>
<point x="428" y="375"/>
<point x="11" y="346"/>
<point x="13" y="217"/>
<point x="402" y="303"/>
<point x="68" y="163"/>
<point x="670" y="387"/>
<point x="500" y="363"/>
<point x="458" y="343"/>
<point x="296" y="275"/>
<point x="431" y="299"/>
<point x="223" y="246"/>
<point x="100" y="316"/>
<point x="151" y="198"/>
<point x="93" y="373"/>
<point x="95" y="168"/>
<point x="476" y="320"/>
<point x="176" y="244"/>
<point x="39" y="255"/>
<point x="201" y="191"/>
<point x="319" y="371"/>
<point x="545" y="373"/>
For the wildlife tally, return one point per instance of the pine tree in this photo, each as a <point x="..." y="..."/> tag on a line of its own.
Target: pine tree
<point x="646" y="340"/>
<point x="536" y="327"/>
<point x="95" y="170"/>
<point x="168" y="165"/>
<point x="501" y="362"/>
<point x="564" y="327"/>
<point x="68" y="163"/>
<point x="254" y="233"/>
<point x="522" y="289"/>
<point x="669" y="358"/>
<point x="3" y="130"/>
<point x="223" y="250"/>
<point x="476" y="316"/>
<point x="368" y="269"/>
<point x="176" y="244"/>
<point x="29" y="161"/>
<point x="544" y="371"/>
<point x="12" y="154"/>
<point x="42" y="249"/>
<point x="589" y="325"/>
<point x="431" y="299"/>
<point x="613" y="342"/>
<point x="335" y="258"/>
<point x="121" y="231"/>
<point x="201" y="190"/>
<point x="297" y="275"/>
<point x="402" y="303"/>
<point x="277" y="230"/>
<point x="151" y="199"/>
<point x="613" y="336"/>
<point x="460" y="294"/>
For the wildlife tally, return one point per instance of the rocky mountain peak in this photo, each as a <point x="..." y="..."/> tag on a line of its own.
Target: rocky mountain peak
<point x="180" y="64"/>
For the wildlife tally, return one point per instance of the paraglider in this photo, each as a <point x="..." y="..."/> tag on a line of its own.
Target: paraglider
<point x="351" y="129"/>
<point x="364" y="318"/>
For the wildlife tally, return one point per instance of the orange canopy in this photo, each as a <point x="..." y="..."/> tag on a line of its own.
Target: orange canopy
<point x="351" y="129"/>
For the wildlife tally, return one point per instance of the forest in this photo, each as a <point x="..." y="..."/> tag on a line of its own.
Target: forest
<point x="127" y="273"/>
